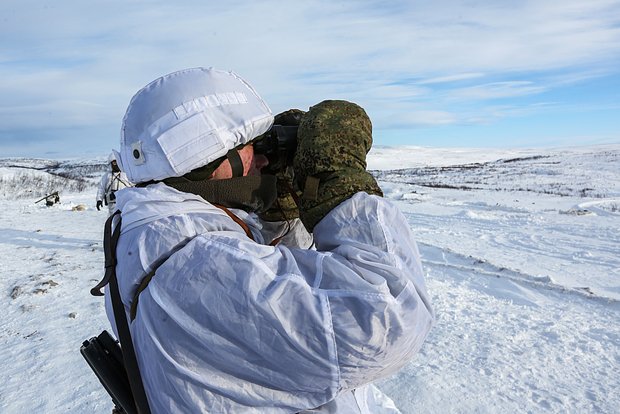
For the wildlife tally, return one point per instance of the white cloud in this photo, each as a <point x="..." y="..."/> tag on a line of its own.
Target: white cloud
<point x="427" y="118"/>
<point x="451" y="78"/>
<point x="497" y="90"/>
<point x="387" y="56"/>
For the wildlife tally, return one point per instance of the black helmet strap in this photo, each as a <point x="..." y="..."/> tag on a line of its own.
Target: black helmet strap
<point x="235" y="162"/>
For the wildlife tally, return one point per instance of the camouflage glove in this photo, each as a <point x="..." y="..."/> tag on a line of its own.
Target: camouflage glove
<point x="284" y="208"/>
<point x="330" y="163"/>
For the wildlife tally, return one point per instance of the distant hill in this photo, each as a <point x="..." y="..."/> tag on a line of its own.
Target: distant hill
<point x="591" y="171"/>
<point x="34" y="177"/>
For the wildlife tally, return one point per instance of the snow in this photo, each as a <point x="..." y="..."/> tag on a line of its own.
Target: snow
<point x="522" y="254"/>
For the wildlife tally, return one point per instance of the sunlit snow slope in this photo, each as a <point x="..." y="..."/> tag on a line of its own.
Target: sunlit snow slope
<point x="521" y="250"/>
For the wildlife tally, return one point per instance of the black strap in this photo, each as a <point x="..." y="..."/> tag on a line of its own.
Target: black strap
<point x="109" y="187"/>
<point x="118" y="178"/>
<point x="110" y="240"/>
<point x="115" y="177"/>
<point x="235" y="162"/>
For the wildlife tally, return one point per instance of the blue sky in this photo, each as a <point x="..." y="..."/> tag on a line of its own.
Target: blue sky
<point x="445" y="73"/>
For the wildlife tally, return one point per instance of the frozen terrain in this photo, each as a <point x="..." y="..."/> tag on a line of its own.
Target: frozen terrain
<point x="521" y="249"/>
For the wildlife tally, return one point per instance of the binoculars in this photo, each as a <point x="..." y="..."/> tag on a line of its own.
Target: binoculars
<point x="278" y="144"/>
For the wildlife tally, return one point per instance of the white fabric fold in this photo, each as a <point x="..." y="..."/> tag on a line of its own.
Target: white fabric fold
<point x="230" y="325"/>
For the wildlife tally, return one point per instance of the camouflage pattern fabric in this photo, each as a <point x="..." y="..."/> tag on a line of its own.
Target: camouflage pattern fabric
<point x="330" y="163"/>
<point x="285" y="208"/>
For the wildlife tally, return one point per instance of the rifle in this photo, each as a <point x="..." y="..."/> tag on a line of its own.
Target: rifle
<point x="103" y="354"/>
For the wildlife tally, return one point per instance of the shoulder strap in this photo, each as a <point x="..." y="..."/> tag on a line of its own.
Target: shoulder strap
<point x="120" y="180"/>
<point x="110" y="240"/>
<point x="237" y="220"/>
<point x="147" y="279"/>
<point x="117" y="177"/>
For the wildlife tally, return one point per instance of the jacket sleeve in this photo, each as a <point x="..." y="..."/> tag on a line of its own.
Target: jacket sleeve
<point x="369" y="269"/>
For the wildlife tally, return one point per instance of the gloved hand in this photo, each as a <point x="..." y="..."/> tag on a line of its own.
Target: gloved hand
<point x="99" y="204"/>
<point x="284" y="208"/>
<point x="330" y="163"/>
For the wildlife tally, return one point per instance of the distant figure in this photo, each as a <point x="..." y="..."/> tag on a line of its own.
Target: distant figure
<point x="111" y="182"/>
<point x="50" y="199"/>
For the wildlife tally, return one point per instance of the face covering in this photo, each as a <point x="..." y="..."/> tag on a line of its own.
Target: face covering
<point x="255" y="193"/>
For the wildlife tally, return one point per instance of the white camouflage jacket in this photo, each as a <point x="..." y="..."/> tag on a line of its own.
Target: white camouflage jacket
<point x="231" y="325"/>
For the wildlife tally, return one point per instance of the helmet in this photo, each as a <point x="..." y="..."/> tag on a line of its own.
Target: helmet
<point x="111" y="157"/>
<point x="185" y="120"/>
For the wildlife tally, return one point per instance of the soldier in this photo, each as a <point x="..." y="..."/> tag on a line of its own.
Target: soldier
<point x="222" y="321"/>
<point x="112" y="181"/>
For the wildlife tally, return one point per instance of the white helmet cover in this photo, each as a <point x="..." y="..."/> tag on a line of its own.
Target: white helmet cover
<point x="185" y="120"/>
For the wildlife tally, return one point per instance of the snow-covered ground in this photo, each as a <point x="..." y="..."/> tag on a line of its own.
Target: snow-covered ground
<point x="521" y="248"/>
